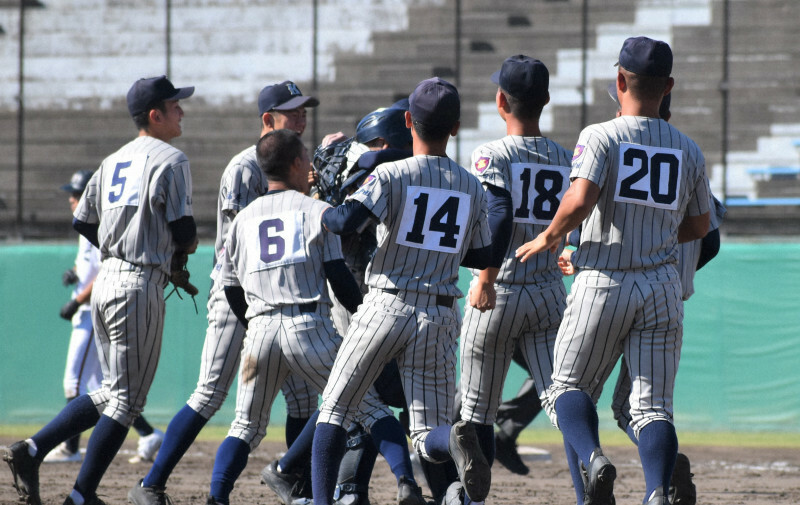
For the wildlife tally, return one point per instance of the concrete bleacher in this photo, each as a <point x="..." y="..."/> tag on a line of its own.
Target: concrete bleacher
<point x="84" y="55"/>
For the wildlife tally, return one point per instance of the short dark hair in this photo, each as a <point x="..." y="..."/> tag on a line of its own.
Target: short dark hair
<point x="530" y="109"/>
<point x="431" y="132"/>
<point x="645" y="87"/>
<point x="276" y="151"/>
<point x="142" y="120"/>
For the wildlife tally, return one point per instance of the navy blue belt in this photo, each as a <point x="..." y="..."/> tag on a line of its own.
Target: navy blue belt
<point x="442" y="300"/>
<point x="307" y="307"/>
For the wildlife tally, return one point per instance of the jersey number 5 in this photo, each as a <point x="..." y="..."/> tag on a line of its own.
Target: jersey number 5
<point x="434" y="219"/>
<point x="649" y="176"/>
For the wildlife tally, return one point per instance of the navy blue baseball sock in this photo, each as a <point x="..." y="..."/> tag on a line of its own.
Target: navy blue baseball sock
<point x="300" y="450"/>
<point x="329" y="447"/>
<point x="228" y="465"/>
<point x="294" y="427"/>
<point x="73" y="443"/>
<point x="437" y="443"/>
<point x="631" y="434"/>
<point x="76" y="417"/>
<point x="181" y="433"/>
<point x="142" y="427"/>
<point x="577" y="419"/>
<point x="658" y="448"/>
<point x="574" y="471"/>
<point x="107" y="437"/>
<point x="485" y="434"/>
<point x="390" y="438"/>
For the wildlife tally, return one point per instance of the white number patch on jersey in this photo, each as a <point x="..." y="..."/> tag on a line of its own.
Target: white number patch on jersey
<point x="434" y="219"/>
<point x="122" y="187"/>
<point x="281" y="241"/>
<point x="536" y="191"/>
<point x="649" y="176"/>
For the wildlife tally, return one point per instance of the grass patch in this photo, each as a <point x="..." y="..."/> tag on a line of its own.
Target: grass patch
<point x="611" y="438"/>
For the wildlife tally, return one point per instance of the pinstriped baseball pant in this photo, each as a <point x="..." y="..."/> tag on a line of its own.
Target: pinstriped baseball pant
<point x="609" y="313"/>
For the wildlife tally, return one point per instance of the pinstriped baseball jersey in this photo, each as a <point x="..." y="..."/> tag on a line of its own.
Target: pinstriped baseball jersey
<point x="430" y="211"/>
<point x="282" y="264"/>
<point x="535" y="171"/>
<point x="530" y="296"/>
<point x="242" y="182"/>
<point x="136" y="192"/>
<point x="650" y="175"/>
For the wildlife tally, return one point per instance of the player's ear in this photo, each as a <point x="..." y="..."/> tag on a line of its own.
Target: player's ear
<point x="670" y="84"/>
<point x="154" y="116"/>
<point x="454" y="131"/>
<point x="267" y="121"/>
<point x="548" y="98"/>
<point x="621" y="84"/>
<point x="408" y="119"/>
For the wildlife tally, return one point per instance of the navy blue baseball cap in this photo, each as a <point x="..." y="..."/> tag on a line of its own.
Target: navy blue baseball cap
<point x="523" y="77"/>
<point x="78" y="181"/>
<point x="645" y="56"/>
<point x="147" y="92"/>
<point x="283" y="96"/>
<point x="435" y="102"/>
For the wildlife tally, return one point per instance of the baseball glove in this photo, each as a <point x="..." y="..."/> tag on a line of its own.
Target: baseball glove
<point x="179" y="276"/>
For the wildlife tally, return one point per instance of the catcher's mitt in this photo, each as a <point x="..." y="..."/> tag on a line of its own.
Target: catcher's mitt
<point x="179" y="276"/>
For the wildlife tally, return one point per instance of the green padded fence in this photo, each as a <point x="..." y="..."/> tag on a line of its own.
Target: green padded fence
<point x="740" y="368"/>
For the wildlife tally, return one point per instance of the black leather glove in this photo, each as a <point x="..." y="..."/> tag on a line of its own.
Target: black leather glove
<point x="69" y="277"/>
<point x="69" y="309"/>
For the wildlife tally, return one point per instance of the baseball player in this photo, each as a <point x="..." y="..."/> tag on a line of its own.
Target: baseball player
<point x="341" y="167"/>
<point x="525" y="175"/>
<point x="276" y="260"/>
<point x="83" y="373"/>
<point x="432" y="218"/>
<point x="638" y="188"/>
<point x="280" y="106"/>
<point x="137" y="209"/>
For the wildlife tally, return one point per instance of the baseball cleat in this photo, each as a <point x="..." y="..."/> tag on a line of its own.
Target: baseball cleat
<point x="409" y="493"/>
<point x="454" y="494"/>
<point x="140" y="495"/>
<point x="62" y="455"/>
<point x="682" y="490"/>
<point x="473" y="469"/>
<point x="598" y="480"/>
<point x="657" y="497"/>
<point x="507" y="454"/>
<point x="90" y="501"/>
<point x="148" y="446"/>
<point x="25" y="469"/>
<point x="281" y="483"/>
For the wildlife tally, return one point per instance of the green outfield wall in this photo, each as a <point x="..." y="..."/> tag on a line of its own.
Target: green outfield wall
<point x="739" y="371"/>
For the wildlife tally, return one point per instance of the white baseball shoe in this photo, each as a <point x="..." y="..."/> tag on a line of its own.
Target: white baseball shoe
<point x="148" y="446"/>
<point x="62" y="455"/>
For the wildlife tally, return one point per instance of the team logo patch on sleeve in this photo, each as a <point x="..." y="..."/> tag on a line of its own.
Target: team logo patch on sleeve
<point x="368" y="180"/>
<point x="578" y="152"/>
<point x="482" y="163"/>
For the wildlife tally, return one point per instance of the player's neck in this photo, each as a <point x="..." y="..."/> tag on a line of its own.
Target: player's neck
<point x="644" y="109"/>
<point x="522" y="127"/>
<point x="155" y="134"/>
<point x="430" y="148"/>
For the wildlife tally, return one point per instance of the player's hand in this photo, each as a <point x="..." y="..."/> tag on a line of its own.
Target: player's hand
<point x="537" y="245"/>
<point x="69" y="277"/>
<point x="69" y="309"/>
<point x="565" y="262"/>
<point x="482" y="296"/>
<point x="333" y="137"/>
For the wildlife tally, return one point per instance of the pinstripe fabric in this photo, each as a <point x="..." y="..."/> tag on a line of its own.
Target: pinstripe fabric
<point x="279" y="266"/>
<point x="607" y="238"/>
<point x="134" y="194"/>
<point x="420" y="269"/>
<point x="242" y="182"/>
<point x="491" y="164"/>
<point x="128" y="317"/>
<point x="627" y="295"/>
<point x="530" y="296"/>
<point x="430" y="212"/>
<point x="275" y="251"/>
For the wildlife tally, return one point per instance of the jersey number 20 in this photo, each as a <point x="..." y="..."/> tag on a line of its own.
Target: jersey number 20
<point x="649" y="176"/>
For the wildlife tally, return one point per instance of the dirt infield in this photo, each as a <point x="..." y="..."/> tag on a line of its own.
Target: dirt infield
<point x="722" y="475"/>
